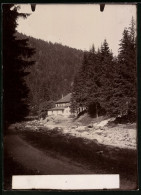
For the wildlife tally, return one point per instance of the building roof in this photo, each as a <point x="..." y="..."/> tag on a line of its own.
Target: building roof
<point x="65" y="99"/>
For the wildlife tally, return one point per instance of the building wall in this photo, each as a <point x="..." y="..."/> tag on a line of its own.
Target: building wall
<point x="60" y="112"/>
<point x="55" y="112"/>
<point x="65" y="112"/>
<point x="49" y="113"/>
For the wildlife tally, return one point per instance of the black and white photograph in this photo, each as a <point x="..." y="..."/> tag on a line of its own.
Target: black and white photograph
<point x="69" y="96"/>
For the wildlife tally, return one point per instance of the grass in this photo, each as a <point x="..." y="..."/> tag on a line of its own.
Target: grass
<point x="86" y="119"/>
<point x="109" y="158"/>
<point x="103" y="159"/>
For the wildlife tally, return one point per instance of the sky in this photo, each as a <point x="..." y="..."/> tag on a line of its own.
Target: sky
<point x="77" y="25"/>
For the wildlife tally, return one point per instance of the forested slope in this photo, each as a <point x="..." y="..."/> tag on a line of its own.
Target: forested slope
<point x="53" y="72"/>
<point x="99" y="81"/>
<point x="106" y="84"/>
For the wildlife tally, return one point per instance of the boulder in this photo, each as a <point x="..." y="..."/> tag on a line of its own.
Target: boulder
<point x="81" y="128"/>
<point x="90" y="126"/>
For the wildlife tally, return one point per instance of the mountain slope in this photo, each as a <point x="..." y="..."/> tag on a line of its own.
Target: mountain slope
<point x="52" y="74"/>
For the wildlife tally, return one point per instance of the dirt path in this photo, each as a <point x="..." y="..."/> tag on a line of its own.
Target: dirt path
<point x="33" y="159"/>
<point x="27" y="158"/>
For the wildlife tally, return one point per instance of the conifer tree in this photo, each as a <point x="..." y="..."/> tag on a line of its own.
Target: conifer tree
<point x="133" y="69"/>
<point x="124" y="96"/>
<point x="86" y="84"/>
<point x="92" y="83"/>
<point x="106" y="74"/>
<point x="106" y="83"/>
<point x="15" y="60"/>
<point x="79" y="93"/>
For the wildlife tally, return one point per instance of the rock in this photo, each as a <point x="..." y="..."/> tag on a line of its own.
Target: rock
<point x="60" y="128"/>
<point x="96" y="128"/>
<point x="28" y="126"/>
<point x="81" y="128"/>
<point x="73" y="127"/>
<point x="101" y="128"/>
<point x="56" y="128"/>
<point x="103" y="123"/>
<point x="95" y="140"/>
<point x="99" y="133"/>
<point x="90" y="126"/>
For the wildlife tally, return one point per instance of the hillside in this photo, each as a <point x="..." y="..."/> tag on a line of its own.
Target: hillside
<point x="52" y="74"/>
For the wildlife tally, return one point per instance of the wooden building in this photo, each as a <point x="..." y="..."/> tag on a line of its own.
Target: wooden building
<point x="62" y="107"/>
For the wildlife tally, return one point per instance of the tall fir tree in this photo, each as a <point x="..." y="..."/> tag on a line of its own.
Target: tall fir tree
<point x="106" y="75"/>
<point x="107" y="84"/>
<point x="15" y="60"/>
<point x="125" y="85"/>
<point x="92" y="83"/>
<point x="87" y="84"/>
<point x="79" y="93"/>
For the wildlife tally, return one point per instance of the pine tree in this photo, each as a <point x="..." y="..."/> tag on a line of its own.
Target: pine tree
<point x="108" y="84"/>
<point x="124" y="96"/>
<point x="133" y="69"/>
<point x="106" y="75"/>
<point x="86" y="84"/>
<point x="15" y="60"/>
<point x="92" y="83"/>
<point x="79" y="93"/>
<point x="132" y="30"/>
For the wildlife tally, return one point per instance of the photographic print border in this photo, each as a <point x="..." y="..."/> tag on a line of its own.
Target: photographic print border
<point x="39" y="192"/>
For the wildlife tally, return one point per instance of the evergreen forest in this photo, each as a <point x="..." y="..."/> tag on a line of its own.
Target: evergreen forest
<point x="105" y="84"/>
<point x="36" y="73"/>
<point x="52" y="75"/>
